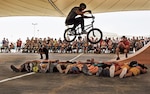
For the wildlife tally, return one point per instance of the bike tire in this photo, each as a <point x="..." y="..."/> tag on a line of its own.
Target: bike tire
<point x="68" y="36"/>
<point x="96" y="34"/>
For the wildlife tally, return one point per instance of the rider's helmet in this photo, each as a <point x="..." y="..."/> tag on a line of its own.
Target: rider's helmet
<point x="83" y="5"/>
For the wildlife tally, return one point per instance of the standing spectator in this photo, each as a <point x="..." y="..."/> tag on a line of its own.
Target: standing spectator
<point x="85" y="46"/>
<point x="3" y="44"/>
<point x="103" y="44"/>
<point x="19" y="43"/>
<point x="6" y="44"/>
<point x="79" y="44"/>
<point x="115" y="43"/>
<point x="43" y="50"/>
<point x="123" y="47"/>
<point x="110" y="45"/>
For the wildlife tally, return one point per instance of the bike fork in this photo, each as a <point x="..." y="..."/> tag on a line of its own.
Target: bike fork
<point x="93" y="34"/>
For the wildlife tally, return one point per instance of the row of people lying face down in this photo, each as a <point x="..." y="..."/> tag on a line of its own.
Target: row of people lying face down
<point x="90" y="67"/>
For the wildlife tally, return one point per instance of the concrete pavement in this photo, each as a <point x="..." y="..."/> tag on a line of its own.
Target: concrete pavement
<point x="56" y="83"/>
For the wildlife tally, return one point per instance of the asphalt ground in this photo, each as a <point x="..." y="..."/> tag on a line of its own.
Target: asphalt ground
<point x="56" y="83"/>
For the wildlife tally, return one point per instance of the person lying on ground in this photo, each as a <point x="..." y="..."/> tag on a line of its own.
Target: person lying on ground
<point x="59" y="66"/>
<point x="122" y="68"/>
<point x="111" y="69"/>
<point x="118" y="68"/>
<point x="79" y="67"/>
<point x="33" y="66"/>
<point x="136" y="69"/>
<point x="90" y="67"/>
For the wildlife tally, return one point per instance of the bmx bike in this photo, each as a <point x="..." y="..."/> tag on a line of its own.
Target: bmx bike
<point x="94" y="35"/>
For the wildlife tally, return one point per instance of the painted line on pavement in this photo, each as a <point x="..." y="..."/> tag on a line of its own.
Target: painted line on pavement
<point x="16" y="77"/>
<point x="76" y="57"/>
<point x="27" y="74"/>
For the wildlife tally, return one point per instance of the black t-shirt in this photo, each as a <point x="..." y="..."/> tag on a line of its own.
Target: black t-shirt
<point x="72" y="14"/>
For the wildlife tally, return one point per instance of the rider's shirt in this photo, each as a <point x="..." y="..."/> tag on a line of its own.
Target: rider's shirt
<point x="72" y="14"/>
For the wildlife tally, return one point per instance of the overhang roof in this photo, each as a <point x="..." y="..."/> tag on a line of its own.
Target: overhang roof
<point x="60" y="8"/>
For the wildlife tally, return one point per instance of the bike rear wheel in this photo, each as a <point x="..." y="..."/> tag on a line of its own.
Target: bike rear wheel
<point x="94" y="35"/>
<point x="69" y="35"/>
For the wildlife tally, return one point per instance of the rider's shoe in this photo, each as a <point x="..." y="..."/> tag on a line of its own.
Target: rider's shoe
<point x="14" y="68"/>
<point x="83" y="32"/>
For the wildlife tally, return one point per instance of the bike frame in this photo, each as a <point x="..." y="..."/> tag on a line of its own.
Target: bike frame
<point x="87" y="27"/>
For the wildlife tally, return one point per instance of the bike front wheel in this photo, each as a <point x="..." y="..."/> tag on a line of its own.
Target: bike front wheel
<point x="94" y="35"/>
<point x="69" y="35"/>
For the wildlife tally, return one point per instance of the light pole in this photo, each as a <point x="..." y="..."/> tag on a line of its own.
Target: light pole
<point x="38" y="33"/>
<point x="34" y="24"/>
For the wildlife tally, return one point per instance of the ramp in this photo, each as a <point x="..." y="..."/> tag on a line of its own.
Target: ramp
<point x="142" y="55"/>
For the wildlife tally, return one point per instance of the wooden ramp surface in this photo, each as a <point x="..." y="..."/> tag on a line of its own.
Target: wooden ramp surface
<point x="142" y="55"/>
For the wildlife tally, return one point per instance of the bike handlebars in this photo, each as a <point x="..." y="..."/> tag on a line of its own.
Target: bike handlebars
<point x="93" y="17"/>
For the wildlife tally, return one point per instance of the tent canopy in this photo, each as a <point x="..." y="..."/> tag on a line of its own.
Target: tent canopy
<point x="60" y="8"/>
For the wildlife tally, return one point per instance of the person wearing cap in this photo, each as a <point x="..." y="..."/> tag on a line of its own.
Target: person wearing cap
<point x="123" y="47"/>
<point x="72" y="18"/>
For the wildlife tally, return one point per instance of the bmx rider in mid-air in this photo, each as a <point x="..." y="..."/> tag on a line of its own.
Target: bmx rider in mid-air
<point x="75" y="21"/>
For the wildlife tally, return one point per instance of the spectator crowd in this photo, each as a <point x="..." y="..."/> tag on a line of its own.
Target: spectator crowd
<point x="107" y="45"/>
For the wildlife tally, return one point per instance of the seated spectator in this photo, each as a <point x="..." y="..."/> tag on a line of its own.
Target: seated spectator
<point x="138" y="45"/>
<point x="97" y="48"/>
<point x="123" y="47"/>
<point x="103" y="44"/>
<point x="11" y="46"/>
<point x="63" y="46"/>
<point x="69" y="48"/>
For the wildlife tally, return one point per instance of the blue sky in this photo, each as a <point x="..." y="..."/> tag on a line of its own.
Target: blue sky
<point x="135" y="23"/>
